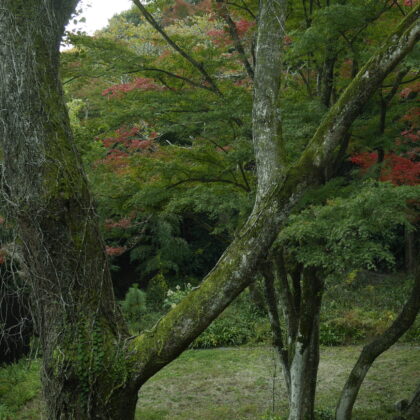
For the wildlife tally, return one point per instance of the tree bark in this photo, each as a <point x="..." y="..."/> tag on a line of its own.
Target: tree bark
<point x="85" y="373"/>
<point x="374" y="349"/>
<point x="266" y="123"/>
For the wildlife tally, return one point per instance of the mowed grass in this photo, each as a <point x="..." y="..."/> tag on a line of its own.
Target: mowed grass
<point x="246" y="383"/>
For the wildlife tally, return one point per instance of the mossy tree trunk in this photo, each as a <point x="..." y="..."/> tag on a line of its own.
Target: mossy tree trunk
<point x="85" y="374"/>
<point x="92" y="369"/>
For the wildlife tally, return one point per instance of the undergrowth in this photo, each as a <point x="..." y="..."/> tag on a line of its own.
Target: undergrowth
<point x="19" y="383"/>
<point x="354" y="310"/>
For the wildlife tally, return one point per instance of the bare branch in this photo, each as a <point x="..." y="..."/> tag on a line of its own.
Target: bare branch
<point x="209" y="180"/>
<point x="246" y="8"/>
<point x="177" y="48"/>
<point x="236" y="40"/>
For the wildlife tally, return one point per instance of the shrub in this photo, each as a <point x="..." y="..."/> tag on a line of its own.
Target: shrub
<point x="241" y="323"/>
<point x="174" y="296"/>
<point x="134" y="306"/>
<point x="19" y="383"/>
<point x="354" y="326"/>
<point x="223" y="332"/>
<point x="330" y="335"/>
<point x="156" y="292"/>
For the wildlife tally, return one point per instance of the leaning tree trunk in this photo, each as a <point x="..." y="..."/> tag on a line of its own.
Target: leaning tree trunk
<point x="374" y="349"/>
<point x="92" y="369"/>
<point x="85" y="373"/>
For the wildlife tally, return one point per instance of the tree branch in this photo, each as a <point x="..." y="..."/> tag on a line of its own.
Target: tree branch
<point x="244" y="177"/>
<point x="404" y="82"/>
<point x="177" y="48"/>
<point x="338" y="120"/>
<point x="247" y="9"/>
<point x="208" y="180"/>
<point x="170" y="74"/>
<point x="397" y="82"/>
<point x="235" y="38"/>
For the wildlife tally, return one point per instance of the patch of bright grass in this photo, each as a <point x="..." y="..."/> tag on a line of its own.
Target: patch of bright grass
<point x="19" y="384"/>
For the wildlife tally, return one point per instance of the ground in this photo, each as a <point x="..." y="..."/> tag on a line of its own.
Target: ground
<point x="246" y="383"/>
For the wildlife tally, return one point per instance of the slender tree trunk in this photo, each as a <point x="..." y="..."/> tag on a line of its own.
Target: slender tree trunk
<point x="409" y="250"/>
<point x="413" y="409"/>
<point x="374" y="349"/>
<point x="327" y="80"/>
<point x="305" y="361"/>
<point x="274" y="317"/>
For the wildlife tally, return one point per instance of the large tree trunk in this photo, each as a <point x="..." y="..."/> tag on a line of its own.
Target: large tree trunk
<point x="374" y="349"/>
<point x="92" y="369"/>
<point x="85" y="372"/>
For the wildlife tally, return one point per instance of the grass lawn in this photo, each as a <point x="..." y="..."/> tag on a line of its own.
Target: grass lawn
<point x="246" y="383"/>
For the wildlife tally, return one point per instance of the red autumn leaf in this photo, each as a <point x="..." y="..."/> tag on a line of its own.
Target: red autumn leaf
<point x="397" y="169"/>
<point x="115" y="251"/>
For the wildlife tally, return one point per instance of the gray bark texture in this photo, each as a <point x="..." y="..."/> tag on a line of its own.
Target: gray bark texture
<point x="92" y="369"/>
<point x="80" y="328"/>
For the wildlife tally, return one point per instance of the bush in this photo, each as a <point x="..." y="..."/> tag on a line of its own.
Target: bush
<point x="156" y="292"/>
<point x="224" y="332"/>
<point x="134" y="306"/>
<point x="241" y="323"/>
<point x="330" y="335"/>
<point x="19" y="383"/>
<point x="174" y="296"/>
<point x="355" y="326"/>
<point x="324" y="414"/>
<point x="364" y="306"/>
